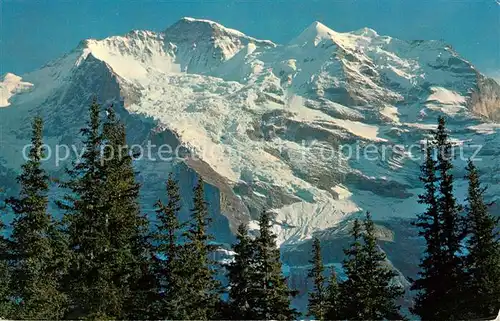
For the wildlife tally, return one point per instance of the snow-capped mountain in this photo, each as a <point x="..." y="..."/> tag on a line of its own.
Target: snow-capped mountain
<point x="269" y="125"/>
<point x="10" y="86"/>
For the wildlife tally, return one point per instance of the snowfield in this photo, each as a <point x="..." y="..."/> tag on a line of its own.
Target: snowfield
<point x="10" y="86"/>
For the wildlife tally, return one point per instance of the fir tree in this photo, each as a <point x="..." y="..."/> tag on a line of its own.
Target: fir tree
<point x="168" y="267"/>
<point x="143" y="304"/>
<point x="429" y="286"/>
<point x="129" y="253"/>
<point x="318" y="304"/>
<point x="368" y="292"/>
<point x="442" y="275"/>
<point x="452" y="273"/>
<point x="203" y="290"/>
<point x="380" y="294"/>
<point x="6" y="304"/>
<point x="352" y="289"/>
<point x="240" y="272"/>
<point x="34" y="279"/>
<point x="108" y="276"/>
<point x="447" y="203"/>
<point x="89" y="282"/>
<point x="272" y="297"/>
<point x="483" y="260"/>
<point x="333" y="301"/>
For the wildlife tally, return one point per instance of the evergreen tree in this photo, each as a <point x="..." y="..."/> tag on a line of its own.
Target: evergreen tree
<point x="352" y="289"/>
<point x="483" y="260"/>
<point x="442" y="278"/>
<point x="89" y="281"/>
<point x="271" y="300"/>
<point x="129" y="252"/>
<point x="34" y="279"/>
<point x="380" y="294"/>
<point x="431" y="290"/>
<point x="168" y="267"/>
<point x="143" y="304"/>
<point x="449" y="209"/>
<point x="6" y="304"/>
<point x="199" y="273"/>
<point x="109" y="273"/>
<point x="368" y="292"/>
<point x="453" y="273"/>
<point x="333" y="298"/>
<point x="240" y="272"/>
<point x="318" y="304"/>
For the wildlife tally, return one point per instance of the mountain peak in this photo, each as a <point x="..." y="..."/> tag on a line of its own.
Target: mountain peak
<point x="202" y="25"/>
<point x="201" y="45"/>
<point x="315" y="33"/>
<point x="189" y="28"/>
<point x="318" y="26"/>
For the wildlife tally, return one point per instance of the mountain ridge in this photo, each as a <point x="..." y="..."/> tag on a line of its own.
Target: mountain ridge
<point x="346" y="86"/>
<point x="255" y="119"/>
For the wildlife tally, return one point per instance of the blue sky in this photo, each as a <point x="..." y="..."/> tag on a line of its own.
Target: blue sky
<point x="33" y="32"/>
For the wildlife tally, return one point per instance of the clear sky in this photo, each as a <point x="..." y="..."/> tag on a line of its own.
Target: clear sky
<point x="33" y="32"/>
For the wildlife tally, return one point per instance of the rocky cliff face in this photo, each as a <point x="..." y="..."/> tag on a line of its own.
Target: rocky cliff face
<point x="317" y="130"/>
<point x="484" y="100"/>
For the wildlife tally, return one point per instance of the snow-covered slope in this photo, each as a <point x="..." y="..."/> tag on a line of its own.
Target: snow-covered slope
<point x="10" y="86"/>
<point x="271" y="125"/>
<point x="268" y="119"/>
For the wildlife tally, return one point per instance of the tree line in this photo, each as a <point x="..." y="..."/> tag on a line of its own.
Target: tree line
<point x="103" y="259"/>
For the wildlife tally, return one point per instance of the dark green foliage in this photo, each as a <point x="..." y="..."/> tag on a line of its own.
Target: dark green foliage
<point x="442" y="277"/>
<point x="240" y="272"/>
<point x="6" y="304"/>
<point x="258" y="290"/>
<point x="448" y="207"/>
<point x="202" y="289"/>
<point x="351" y="290"/>
<point x="106" y="232"/>
<point x="318" y="297"/>
<point x="271" y="299"/>
<point x="380" y="293"/>
<point x="34" y="279"/>
<point x="483" y="260"/>
<point x="333" y="298"/>
<point x="129" y="253"/>
<point x="88" y="282"/>
<point x="452" y="232"/>
<point x="170" y="288"/>
<point x="368" y="292"/>
<point x="429" y="282"/>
